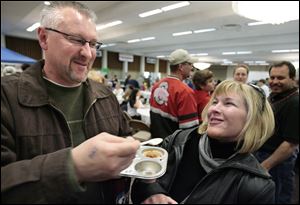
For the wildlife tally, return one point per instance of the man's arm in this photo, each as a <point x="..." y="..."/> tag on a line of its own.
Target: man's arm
<point x="284" y="151"/>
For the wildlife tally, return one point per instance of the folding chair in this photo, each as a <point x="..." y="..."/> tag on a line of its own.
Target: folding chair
<point x="141" y="131"/>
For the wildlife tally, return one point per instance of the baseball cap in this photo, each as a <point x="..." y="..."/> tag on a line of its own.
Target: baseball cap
<point x="179" y="56"/>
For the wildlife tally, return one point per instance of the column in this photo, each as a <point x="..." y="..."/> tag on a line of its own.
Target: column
<point x="125" y="69"/>
<point x="156" y="69"/>
<point x="142" y="65"/>
<point x="3" y="41"/>
<point x="104" y="59"/>
<point x="168" y="68"/>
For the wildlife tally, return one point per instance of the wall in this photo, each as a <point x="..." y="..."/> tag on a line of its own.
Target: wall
<point x="219" y="72"/>
<point x="27" y="47"/>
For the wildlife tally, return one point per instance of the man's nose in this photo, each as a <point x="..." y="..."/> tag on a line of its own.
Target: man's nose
<point x="86" y="50"/>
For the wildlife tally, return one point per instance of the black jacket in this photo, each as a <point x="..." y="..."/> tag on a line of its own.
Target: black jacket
<point x="240" y="180"/>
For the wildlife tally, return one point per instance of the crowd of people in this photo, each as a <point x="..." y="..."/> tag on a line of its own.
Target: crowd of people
<point x="65" y="139"/>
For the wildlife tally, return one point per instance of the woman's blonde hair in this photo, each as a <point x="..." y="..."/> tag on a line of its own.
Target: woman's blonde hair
<point x="96" y="76"/>
<point x="260" y="121"/>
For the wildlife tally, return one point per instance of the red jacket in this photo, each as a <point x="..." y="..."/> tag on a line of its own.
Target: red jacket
<point x="173" y="107"/>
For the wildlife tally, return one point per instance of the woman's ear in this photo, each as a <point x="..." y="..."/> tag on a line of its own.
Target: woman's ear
<point x="43" y="37"/>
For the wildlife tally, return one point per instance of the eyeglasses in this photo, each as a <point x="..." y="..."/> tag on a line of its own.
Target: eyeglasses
<point x="261" y="93"/>
<point x="77" y="40"/>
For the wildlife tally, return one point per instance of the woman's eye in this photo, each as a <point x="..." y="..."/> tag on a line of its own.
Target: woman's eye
<point x="229" y="103"/>
<point x="214" y="102"/>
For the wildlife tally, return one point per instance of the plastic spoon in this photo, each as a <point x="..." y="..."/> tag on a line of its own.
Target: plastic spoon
<point x="154" y="141"/>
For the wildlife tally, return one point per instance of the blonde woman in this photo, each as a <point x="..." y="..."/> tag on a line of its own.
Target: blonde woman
<point x="213" y="164"/>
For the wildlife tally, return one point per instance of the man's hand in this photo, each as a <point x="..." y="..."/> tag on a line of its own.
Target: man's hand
<point x="103" y="157"/>
<point x="159" y="199"/>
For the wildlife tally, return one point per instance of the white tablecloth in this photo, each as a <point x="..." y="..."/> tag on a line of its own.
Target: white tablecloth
<point x="145" y="113"/>
<point x="146" y="95"/>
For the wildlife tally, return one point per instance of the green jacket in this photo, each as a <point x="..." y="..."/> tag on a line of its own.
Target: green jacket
<point x="36" y="141"/>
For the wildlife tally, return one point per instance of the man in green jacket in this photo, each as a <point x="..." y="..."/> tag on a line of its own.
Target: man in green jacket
<point x="59" y="130"/>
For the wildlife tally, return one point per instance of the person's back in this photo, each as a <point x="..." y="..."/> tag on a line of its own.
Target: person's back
<point x="172" y="102"/>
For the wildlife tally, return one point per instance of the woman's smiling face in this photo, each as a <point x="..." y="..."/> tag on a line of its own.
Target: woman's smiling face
<point x="226" y="117"/>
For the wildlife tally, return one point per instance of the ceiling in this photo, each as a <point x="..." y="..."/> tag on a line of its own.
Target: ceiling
<point x="232" y="32"/>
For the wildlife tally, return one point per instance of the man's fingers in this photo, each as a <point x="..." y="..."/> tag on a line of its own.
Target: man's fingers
<point x="114" y="139"/>
<point x="127" y="148"/>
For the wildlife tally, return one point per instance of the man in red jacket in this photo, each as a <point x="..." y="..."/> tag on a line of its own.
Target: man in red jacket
<point x="172" y="102"/>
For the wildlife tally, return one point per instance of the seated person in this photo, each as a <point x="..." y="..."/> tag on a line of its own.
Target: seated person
<point x="213" y="164"/>
<point x="134" y="103"/>
<point x="119" y="92"/>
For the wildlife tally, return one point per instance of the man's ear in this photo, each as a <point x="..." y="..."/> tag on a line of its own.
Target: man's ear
<point x="43" y="37"/>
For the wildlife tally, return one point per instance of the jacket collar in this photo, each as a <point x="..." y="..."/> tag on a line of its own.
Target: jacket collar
<point x="248" y="163"/>
<point x="32" y="90"/>
<point x="274" y="97"/>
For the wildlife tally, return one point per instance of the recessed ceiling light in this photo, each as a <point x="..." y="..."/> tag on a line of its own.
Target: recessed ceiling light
<point x="47" y="3"/>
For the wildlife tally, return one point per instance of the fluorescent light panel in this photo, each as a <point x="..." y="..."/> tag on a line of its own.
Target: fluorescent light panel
<point x="148" y="38"/>
<point x="205" y="30"/>
<point x="142" y="39"/>
<point x="175" y="6"/>
<point x="257" y="23"/>
<point x="229" y="53"/>
<point x="114" y="23"/>
<point x="199" y="54"/>
<point x="243" y="52"/>
<point x="256" y="62"/>
<point x="150" y="13"/>
<point x="108" y="45"/>
<point x="285" y="51"/>
<point x="182" y="33"/>
<point x="166" y="8"/>
<point x="260" y="62"/>
<point x="33" y="27"/>
<point x="133" y="41"/>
